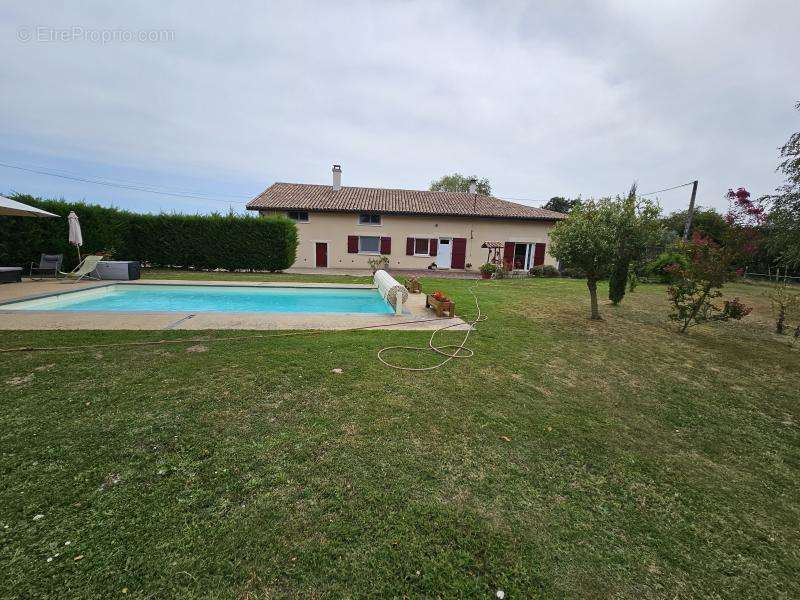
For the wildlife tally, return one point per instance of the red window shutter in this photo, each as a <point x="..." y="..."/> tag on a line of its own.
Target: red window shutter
<point x="386" y="245"/>
<point x="409" y="246"/>
<point x="459" y="253"/>
<point x="434" y="247"/>
<point x="352" y="244"/>
<point x="508" y="255"/>
<point x="538" y="255"/>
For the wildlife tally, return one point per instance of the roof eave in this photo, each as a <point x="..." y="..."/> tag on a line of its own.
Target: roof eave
<point x="404" y="212"/>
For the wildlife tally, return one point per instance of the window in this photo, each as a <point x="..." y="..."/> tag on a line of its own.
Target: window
<point x="521" y="252"/>
<point x="369" y="245"/>
<point x="526" y="255"/>
<point x="369" y="219"/>
<point x="422" y="246"/>
<point x="298" y="216"/>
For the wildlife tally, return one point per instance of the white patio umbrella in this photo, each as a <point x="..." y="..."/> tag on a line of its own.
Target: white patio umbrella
<point x="75" y="235"/>
<point x="12" y="208"/>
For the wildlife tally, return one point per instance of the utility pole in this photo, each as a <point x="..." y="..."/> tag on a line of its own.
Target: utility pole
<point x="690" y="213"/>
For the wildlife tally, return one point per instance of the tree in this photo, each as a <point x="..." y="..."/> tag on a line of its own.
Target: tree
<point x="561" y="204"/>
<point x="706" y="221"/>
<point x="638" y="227"/>
<point x="587" y="240"/>
<point x="784" y="218"/>
<point x="698" y="281"/>
<point x="785" y="302"/>
<point x="459" y="183"/>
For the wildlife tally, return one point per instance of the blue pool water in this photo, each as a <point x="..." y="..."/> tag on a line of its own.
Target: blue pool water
<point x="200" y="298"/>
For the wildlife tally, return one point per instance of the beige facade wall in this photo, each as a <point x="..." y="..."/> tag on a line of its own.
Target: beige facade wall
<point x="334" y="228"/>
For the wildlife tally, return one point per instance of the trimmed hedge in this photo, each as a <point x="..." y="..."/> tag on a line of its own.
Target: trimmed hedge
<point x="188" y="241"/>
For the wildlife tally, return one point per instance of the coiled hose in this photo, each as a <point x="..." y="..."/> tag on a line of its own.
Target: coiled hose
<point x="461" y="350"/>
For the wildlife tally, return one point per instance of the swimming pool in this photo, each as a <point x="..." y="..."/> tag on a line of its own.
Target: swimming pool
<point x="211" y="298"/>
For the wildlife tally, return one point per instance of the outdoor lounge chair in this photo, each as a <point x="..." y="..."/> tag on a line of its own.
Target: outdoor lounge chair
<point x="84" y="269"/>
<point x="49" y="266"/>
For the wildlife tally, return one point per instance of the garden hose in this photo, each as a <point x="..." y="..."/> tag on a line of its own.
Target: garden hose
<point x="461" y="350"/>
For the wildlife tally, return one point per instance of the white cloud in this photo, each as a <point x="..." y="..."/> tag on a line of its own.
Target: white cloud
<point x="543" y="100"/>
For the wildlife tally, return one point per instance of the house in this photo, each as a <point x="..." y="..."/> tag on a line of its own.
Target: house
<point x="343" y="227"/>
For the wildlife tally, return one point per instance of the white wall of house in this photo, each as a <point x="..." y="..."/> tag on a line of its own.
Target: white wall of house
<point x="334" y="229"/>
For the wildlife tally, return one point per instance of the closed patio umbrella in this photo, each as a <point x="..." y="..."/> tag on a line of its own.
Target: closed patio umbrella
<point x="12" y="208"/>
<point x="75" y="235"/>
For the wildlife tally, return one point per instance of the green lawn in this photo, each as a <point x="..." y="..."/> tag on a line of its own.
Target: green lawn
<point x="566" y="459"/>
<point x="224" y="276"/>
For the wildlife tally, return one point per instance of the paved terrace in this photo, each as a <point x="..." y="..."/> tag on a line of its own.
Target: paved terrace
<point x="418" y="317"/>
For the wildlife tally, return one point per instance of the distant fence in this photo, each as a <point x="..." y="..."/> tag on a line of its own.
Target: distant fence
<point x="794" y="279"/>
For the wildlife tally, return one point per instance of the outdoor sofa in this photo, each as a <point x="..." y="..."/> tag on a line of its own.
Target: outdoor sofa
<point x="10" y="274"/>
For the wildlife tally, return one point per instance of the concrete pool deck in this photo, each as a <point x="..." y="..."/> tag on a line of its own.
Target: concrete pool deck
<point x="419" y="317"/>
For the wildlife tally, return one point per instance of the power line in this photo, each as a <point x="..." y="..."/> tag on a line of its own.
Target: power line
<point x="160" y="188"/>
<point x="138" y="188"/>
<point x="667" y="189"/>
<point x="647" y="194"/>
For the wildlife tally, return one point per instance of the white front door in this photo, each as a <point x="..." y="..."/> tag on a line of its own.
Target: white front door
<point x="444" y="253"/>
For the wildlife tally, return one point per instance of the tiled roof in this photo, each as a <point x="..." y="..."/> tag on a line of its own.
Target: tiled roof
<point x="322" y="198"/>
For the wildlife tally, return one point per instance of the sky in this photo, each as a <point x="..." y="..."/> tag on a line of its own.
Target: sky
<point x="213" y="102"/>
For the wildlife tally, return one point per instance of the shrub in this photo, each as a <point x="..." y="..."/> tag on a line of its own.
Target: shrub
<point x="376" y="263"/>
<point x="695" y="286"/>
<point x="189" y="241"/>
<point x="671" y="257"/>
<point x="489" y="268"/>
<point x="633" y="280"/>
<point x="412" y="284"/>
<point x="543" y="271"/>
<point x="573" y="273"/>
<point x="785" y="303"/>
<point x="735" y="309"/>
<point x="618" y="281"/>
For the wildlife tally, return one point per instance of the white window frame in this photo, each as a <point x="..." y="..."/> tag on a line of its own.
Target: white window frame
<point x="371" y="252"/>
<point x="428" y="253"/>
<point x="299" y="212"/>
<point x="530" y="249"/>
<point x="378" y="224"/>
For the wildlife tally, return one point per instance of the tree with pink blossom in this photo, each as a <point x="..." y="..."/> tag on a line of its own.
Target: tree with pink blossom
<point x="697" y="284"/>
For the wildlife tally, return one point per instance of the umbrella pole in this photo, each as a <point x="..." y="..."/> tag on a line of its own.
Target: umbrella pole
<point x="79" y="254"/>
